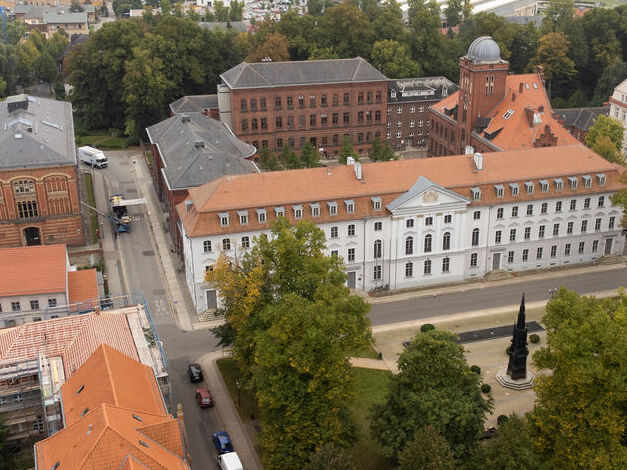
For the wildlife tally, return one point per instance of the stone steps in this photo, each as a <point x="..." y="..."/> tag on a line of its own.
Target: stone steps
<point x="609" y="259"/>
<point x="497" y="275"/>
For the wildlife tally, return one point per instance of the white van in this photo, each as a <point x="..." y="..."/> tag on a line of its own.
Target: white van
<point x="230" y="461"/>
<point x="94" y="157"/>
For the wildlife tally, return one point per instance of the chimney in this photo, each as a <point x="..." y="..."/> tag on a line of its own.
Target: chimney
<point x="520" y="87"/>
<point x="185" y="118"/>
<point x="478" y="160"/>
<point x="529" y="114"/>
<point x="199" y="144"/>
<point x="17" y="102"/>
<point x="358" y="171"/>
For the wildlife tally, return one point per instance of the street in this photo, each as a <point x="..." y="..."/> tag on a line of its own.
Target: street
<point x="142" y="271"/>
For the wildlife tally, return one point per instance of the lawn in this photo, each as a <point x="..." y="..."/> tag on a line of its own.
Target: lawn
<point x="370" y="388"/>
<point x="105" y="141"/>
<point x="91" y="200"/>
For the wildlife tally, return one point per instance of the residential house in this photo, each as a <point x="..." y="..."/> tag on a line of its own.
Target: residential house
<point x="578" y="121"/>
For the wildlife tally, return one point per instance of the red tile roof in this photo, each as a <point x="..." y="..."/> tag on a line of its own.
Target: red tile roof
<point x="109" y="376"/>
<point x="74" y="338"/>
<point x="82" y="285"/>
<point x="32" y="270"/>
<point x="384" y="179"/>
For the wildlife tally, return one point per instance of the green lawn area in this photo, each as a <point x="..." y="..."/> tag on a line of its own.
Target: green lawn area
<point x="105" y="141"/>
<point x="367" y="351"/>
<point x="370" y="388"/>
<point x="91" y="200"/>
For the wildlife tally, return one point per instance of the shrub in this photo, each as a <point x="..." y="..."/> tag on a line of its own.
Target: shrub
<point x="427" y="327"/>
<point x="508" y="350"/>
<point x="476" y="369"/>
<point x="485" y="388"/>
<point x="534" y="338"/>
<point x="501" y="420"/>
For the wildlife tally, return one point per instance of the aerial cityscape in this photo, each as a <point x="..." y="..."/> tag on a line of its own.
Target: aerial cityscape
<point x="313" y="234"/>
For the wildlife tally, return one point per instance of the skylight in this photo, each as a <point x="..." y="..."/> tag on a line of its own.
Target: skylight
<point x="508" y="114"/>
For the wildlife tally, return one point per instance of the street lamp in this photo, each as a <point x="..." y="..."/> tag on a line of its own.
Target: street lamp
<point x="239" y="398"/>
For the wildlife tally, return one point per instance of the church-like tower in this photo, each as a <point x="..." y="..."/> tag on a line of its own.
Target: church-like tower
<point x="518" y="351"/>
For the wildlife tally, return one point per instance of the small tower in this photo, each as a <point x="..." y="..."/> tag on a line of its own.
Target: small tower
<point x="518" y="351"/>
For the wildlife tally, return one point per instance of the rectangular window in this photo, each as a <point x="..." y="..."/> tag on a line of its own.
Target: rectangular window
<point x="261" y="216"/>
<point x="476" y="194"/>
<point x="448" y="218"/>
<point x="539" y="253"/>
<point x="527" y="233"/>
<point x="226" y="244"/>
<point x="601" y="179"/>
<point x="253" y="104"/>
<point x="573" y="182"/>
<point x="334" y="253"/>
<point x="334" y="232"/>
<point x="584" y="226"/>
<point x="224" y="219"/>
<point x="558" y="206"/>
<point x="206" y="246"/>
<point x="476" y="215"/>
<point x="525" y="254"/>
<point x="409" y="223"/>
<point x="243" y="217"/>
<point x="587" y="181"/>
<point x="475" y="237"/>
<point x="582" y="247"/>
<point x="242" y="105"/>
<point x="530" y="209"/>
<point x="559" y="184"/>
<point x="510" y="257"/>
<point x="376" y="275"/>
<point x="262" y="104"/>
<point x="529" y="187"/>
<point x="376" y="203"/>
<point x="567" y="249"/>
<point x="351" y="230"/>
<point x="553" y="251"/>
<point x="16" y="307"/>
<point x="446" y="265"/>
<point x="556" y="230"/>
<point x="544" y="186"/>
<point x="597" y="224"/>
<point x="315" y="210"/>
<point x="298" y="212"/>
<point x="245" y="242"/>
<point x="595" y="246"/>
<point x="569" y="228"/>
<point x="332" y="208"/>
<point x="428" y="220"/>
<point x="601" y="201"/>
<point x="573" y="204"/>
<point x="541" y="231"/>
<point x="52" y="303"/>
<point x="264" y="123"/>
<point x="351" y="254"/>
<point x="515" y="211"/>
<point x="312" y="101"/>
<point x="346" y="99"/>
<point x="544" y="208"/>
<point x="427" y="267"/>
<point x="279" y="211"/>
<point x="612" y="222"/>
<point x="497" y="237"/>
<point x="409" y="269"/>
<point x="350" y="206"/>
<point x="279" y="122"/>
<point x="27" y="209"/>
<point x="500" y="190"/>
<point x="378" y="226"/>
<point x="473" y="260"/>
<point x="244" y="125"/>
<point x="586" y="203"/>
<point x="512" y="235"/>
<point x="514" y="188"/>
<point x="346" y="118"/>
<point x="499" y="213"/>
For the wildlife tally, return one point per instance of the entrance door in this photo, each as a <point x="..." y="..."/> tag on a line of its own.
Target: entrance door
<point x="608" y="246"/>
<point x="212" y="301"/>
<point x="496" y="261"/>
<point x="350" y="279"/>
<point x="32" y="236"/>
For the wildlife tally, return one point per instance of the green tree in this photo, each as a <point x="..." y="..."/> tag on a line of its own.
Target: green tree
<point x="45" y="68"/>
<point x="209" y="16"/>
<point x="166" y="7"/>
<point x="394" y="59"/>
<point x="289" y="159"/>
<point x="428" y="450"/>
<point x="274" y="47"/>
<point x="347" y="29"/>
<point x="510" y="449"/>
<point x="454" y="12"/>
<point x="237" y="10"/>
<point x="381" y="151"/>
<point x="268" y="161"/>
<point x="315" y="7"/>
<point x="221" y="11"/>
<point x="27" y="55"/>
<point x="76" y="6"/>
<point x="579" y="419"/>
<point x="604" y="146"/>
<point x="389" y="23"/>
<point x="552" y="57"/>
<point x="14" y="31"/>
<point x="3" y="87"/>
<point x="436" y="387"/>
<point x="605" y="126"/>
<point x="557" y="14"/>
<point x="347" y="151"/>
<point x="612" y="75"/>
<point x="57" y="45"/>
<point x="330" y="457"/>
<point x="310" y="156"/>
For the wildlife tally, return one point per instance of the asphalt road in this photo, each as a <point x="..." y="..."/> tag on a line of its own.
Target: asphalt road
<point x="143" y="274"/>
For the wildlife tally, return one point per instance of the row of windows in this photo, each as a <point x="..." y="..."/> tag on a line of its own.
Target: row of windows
<point x="558" y="183"/>
<point x="412" y="109"/>
<point x="427" y="266"/>
<point x="34" y="305"/>
<point x="556" y="229"/>
<point x="411" y="123"/>
<point x="289" y="122"/>
<point x="312" y="101"/>
<point x="324" y="141"/>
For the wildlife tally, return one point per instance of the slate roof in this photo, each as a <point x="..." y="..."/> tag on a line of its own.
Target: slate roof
<point x="188" y="164"/>
<point x="37" y="11"/>
<point x="194" y="103"/>
<point x="581" y="118"/>
<point x="65" y="17"/>
<point x="42" y="270"/>
<point x="420" y="89"/>
<point x="50" y="140"/>
<point x="310" y="72"/>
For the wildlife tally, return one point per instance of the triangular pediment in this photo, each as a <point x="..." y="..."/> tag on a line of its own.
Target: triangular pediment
<point x="426" y="194"/>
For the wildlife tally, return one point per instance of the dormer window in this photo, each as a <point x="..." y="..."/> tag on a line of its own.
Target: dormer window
<point x="298" y="211"/>
<point x="315" y="210"/>
<point x="476" y="194"/>
<point x="392" y="94"/>
<point x="279" y="211"/>
<point x="601" y="179"/>
<point x="587" y="181"/>
<point x="559" y="184"/>
<point x="224" y="219"/>
<point x="350" y="206"/>
<point x="376" y="203"/>
<point x="261" y="216"/>
<point x="544" y="186"/>
<point x="529" y="187"/>
<point x="514" y="188"/>
<point x="573" y="182"/>
<point x="243" y="217"/>
<point x="332" y="208"/>
<point x="500" y="190"/>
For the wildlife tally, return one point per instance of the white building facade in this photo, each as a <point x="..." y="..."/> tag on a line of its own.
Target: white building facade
<point x="618" y="109"/>
<point x="430" y="233"/>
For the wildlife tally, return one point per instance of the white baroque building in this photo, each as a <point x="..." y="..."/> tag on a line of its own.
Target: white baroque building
<point x="418" y="222"/>
<point x="618" y="108"/>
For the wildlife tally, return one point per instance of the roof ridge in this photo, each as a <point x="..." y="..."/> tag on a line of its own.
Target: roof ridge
<point x="262" y="77"/>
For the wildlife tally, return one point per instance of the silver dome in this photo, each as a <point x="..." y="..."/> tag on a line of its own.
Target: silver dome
<point x="484" y="49"/>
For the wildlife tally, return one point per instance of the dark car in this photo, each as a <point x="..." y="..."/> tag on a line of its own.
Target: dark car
<point x="203" y="397"/>
<point x="222" y="441"/>
<point x="195" y="372"/>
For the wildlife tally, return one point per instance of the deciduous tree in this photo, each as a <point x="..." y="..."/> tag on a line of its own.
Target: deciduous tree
<point x="394" y="59"/>
<point x="347" y="151"/>
<point x="428" y="450"/>
<point x="274" y="48"/>
<point x="310" y="156"/>
<point x="330" y="457"/>
<point x="553" y="57"/>
<point x="606" y="137"/>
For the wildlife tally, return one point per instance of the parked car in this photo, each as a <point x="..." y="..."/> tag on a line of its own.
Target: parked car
<point x="222" y="441"/>
<point x="195" y="373"/>
<point x="203" y="397"/>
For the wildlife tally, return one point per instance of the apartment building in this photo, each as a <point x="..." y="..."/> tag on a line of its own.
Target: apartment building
<point x="493" y="111"/>
<point x="412" y="223"/>
<point x="618" y="108"/>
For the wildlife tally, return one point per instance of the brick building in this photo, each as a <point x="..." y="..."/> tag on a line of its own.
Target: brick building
<point x="39" y="188"/>
<point x="578" y="121"/>
<point x="274" y="104"/>
<point x="494" y="111"/>
<point x="408" y="109"/>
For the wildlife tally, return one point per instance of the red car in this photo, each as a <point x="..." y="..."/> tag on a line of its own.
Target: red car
<point x="203" y="397"/>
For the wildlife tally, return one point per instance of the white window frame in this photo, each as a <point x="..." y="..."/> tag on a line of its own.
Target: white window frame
<point x="332" y="208"/>
<point x="376" y="203"/>
<point x="224" y="219"/>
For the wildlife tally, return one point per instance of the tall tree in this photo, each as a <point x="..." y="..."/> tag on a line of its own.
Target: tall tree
<point x="428" y="450"/>
<point x="394" y="59"/>
<point x="309" y="156"/>
<point x="237" y="10"/>
<point x="557" y="14"/>
<point x="347" y="151"/>
<point x="579" y="419"/>
<point x="274" y="48"/>
<point x="45" y="68"/>
<point x="330" y="457"/>
<point x="436" y="387"/>
<point x="347" y="29"/>
<point x="606" y="137"/>
<point x="612" y="75"/>
<point x="14" y="31"/>
<point x="389" y="23"/>
<point x="289" y="159"/>
<point x="454" y="12"/>
<point x="552" y="57"/>
<point x="221" y="11"/>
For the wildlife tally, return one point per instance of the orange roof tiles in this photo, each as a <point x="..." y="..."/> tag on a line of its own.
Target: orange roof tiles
<point x="106" y="438"/>
<point x="82" y="285"/>
<point x="74" y="338"/>
<point x="33" y="270"/>
<point x="109" y="376"/>
<point x="385" y="179"/>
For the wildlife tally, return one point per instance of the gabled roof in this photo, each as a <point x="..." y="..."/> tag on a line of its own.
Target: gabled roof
<point x="194" y="103"/>
<point x="56" y="17"/>
<point x="42" y="270"/>
<point x="107" y="437"/>
<point x="581" y="118"/>
<point x="82" y="285"/>
<point x="111" y="377"/>
<point x="74" y="338"/>
<point x="196" y="149"/>
<point x="421" y="185"/>
<point x="270" y="74"/>
<point x="40" y="136"/>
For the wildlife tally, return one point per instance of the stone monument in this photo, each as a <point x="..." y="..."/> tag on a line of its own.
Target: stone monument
<point x="516" y="375"/>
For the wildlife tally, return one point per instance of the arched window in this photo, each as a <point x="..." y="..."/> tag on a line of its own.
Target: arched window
<point x="475" y="237"/>
<point x="446" y="241"/>
<point x="409" y="246"/>
<point x="428" y="240"/>
<point x="377" y="248"/>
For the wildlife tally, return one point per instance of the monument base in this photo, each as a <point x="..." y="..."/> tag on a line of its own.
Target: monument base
<point x="520" y="384"/>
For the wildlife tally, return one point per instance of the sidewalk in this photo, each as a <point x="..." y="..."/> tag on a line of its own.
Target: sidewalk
<point x="227" y="413"/>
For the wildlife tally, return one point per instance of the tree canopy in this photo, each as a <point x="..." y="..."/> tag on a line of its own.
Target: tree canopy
<point x="606" y="138"/>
